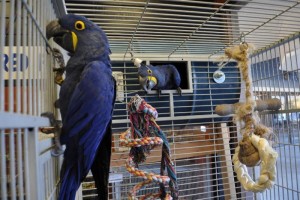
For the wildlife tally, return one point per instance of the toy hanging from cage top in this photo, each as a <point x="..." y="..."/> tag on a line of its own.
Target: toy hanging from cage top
<point x="143" y="135"/>
<point x="254" y="148"/>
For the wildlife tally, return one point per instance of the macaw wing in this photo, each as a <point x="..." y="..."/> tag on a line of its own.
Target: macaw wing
<point x="177" y="78"/>
<point x="85" y="124"/>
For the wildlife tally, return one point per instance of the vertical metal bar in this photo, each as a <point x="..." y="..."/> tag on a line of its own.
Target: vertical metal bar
<point x="214" y="128"/>
<point x="51" y="88"/>
<point x="24" y="61"/>
<point x="292" y="95"/>
<point x="42" y="69"/>
<point x="288" y="93"/>
<point x="171" y="105"/>
<point x="26" y="164"/>
<point x="268" y="78"/>
<point x="266" y="118"/>
<point x="273" y="75"/>
<point x="280" y="84"/>
<point x="34" y="171"/>
<point x="125" y="82"/>
<point x="292" y="50"/>
<point x="34" y="57"/>
<point x="18" y="70"/>
<point x="2" y="44"/>
<point x="12" y="164"/>
<point x="174" y="146"/>
<point x="11" y="48"/>
<point x="271" y="71"/>
<point x="269" y="93"/>
<point x="286" y="107"/>
<point x="263" y="75"/>
<point x="297" y="44"/>
<point x="276" y="75"/>
<point x="45" y="168"/>
<point x="30" y="56"/>
<point x="3" y="174"/>
<point x="258" y="70"/>
<point x="52" y="175"/>
<point x="20" y="165"/>
<point x="260" y="80"/>
<point x="39" y="65"/>
<point x="255" y="81"/>
<point x="296" y="149"/>
<point x="49" y="177"/>
<point x="265" y="80"/>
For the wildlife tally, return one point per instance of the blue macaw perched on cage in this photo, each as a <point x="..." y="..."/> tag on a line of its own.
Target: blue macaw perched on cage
<point x="160" y="77"/>
<point x="86" y="102"/>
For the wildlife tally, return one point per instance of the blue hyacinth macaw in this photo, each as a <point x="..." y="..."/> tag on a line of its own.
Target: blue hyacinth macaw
<point x="86" y="102"/>
<point x="159" y="77"/>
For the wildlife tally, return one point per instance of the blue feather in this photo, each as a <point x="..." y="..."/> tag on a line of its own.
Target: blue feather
<point x="167" y="76"/>
<point x="86" y="103"/>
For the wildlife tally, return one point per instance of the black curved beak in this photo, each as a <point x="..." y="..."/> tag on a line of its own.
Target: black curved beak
<point x="53" y="29"/>
<point x="146" y="84"/>
<point x="60" y="35"/>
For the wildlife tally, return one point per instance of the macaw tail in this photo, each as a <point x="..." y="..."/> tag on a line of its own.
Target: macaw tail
<point x="69" y="185"/>
<point x="72" y="177"/>
<point x="101" y="165"/>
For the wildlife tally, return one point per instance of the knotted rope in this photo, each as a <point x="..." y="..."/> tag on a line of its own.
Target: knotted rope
<point x="254" y="148"/>
<point x="143" y="135"/>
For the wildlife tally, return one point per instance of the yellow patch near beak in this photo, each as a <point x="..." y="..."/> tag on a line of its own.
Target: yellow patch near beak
<point x="74" y="40"/>
<point x="152" y="78"/>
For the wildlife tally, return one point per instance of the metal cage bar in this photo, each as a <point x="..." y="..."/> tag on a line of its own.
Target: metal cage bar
<point x="26" y="90"/>
<point x="256" y="19"/>
<point x="276" y="74"/>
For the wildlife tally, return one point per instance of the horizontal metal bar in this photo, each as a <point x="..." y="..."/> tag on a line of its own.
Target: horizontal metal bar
<point x="261" y="25"/>
<point x="275" y="89"/>
<point x="136" y="5"/>
<point x="297" y="110"/>
<point x="13" y="120"/>
<point x="188" y="19"/>
<point x="274" y="2"/>
<point x="154" y="29"/>
<point x="121" y="121"/>
<point x="160" y="10"/>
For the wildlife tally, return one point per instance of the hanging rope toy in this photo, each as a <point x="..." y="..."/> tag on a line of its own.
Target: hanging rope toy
<point x="143" y="135"/>
<point x="254" y="148"/>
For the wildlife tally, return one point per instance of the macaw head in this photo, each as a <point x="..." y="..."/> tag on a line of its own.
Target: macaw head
<point x="77" y="34"/>
<point x="146" y="77"/>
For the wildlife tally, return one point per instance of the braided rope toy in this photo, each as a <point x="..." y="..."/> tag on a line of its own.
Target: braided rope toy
<point x="254" y="148"/>
<point x="143" y="135"/>
<point x="268" y="166"/>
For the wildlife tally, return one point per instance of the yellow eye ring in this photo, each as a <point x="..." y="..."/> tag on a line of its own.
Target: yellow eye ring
<point x="149" y="71"/>
<point x="79" y="25"/>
